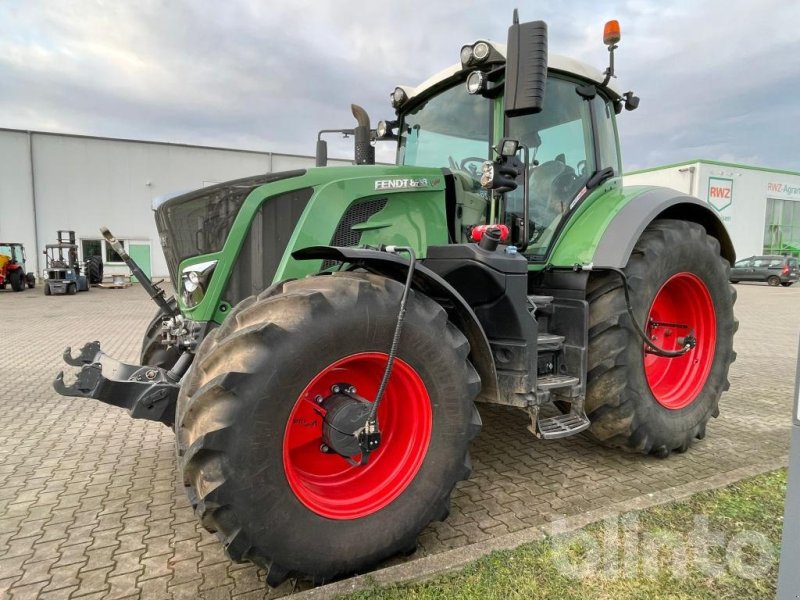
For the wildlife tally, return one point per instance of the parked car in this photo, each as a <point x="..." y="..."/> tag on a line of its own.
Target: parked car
<point x="775" y="270"/>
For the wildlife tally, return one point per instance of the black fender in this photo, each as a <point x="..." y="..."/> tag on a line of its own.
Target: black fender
<point x="622" y="233"/>
<point x="432" y="285"/>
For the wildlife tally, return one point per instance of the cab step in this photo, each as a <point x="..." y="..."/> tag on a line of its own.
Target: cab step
<point x="561" y="426"/>
<point x="549" y="342"/>
<point x="554" y="382"/>
<point x="540" y="301"/>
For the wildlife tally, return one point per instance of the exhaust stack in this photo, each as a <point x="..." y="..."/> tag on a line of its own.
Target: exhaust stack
<point x="365" y="152"/>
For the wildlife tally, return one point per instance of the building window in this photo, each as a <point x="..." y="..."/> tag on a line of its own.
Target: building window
<point x="91" y="248"/>
<point x="782" y="227"/>
<point x="111" y="254"/>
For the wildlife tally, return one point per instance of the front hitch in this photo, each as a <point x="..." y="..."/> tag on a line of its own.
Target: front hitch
<point x="147" y="392"/>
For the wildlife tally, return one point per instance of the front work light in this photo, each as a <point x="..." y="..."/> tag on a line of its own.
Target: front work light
<point x="474" y="54"/>
<point x="476" y="82"/>
<point x="195" y="280"/>
<point x="480" y="51"/>
<point x="398" y="96"/>
<point x="508" y="147"/>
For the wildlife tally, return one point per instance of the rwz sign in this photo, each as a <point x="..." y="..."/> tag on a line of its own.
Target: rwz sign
<point x="720" y="193"/>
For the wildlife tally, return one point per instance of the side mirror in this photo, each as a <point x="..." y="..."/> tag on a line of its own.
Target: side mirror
<point x="526" y="67"/>
<point x="322" y="153"/>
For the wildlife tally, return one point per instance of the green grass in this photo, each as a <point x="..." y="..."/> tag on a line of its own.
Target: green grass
<point x="746" y="517"/>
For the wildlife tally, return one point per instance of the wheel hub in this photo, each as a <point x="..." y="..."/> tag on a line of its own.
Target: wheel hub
<point x="345" y="417"/>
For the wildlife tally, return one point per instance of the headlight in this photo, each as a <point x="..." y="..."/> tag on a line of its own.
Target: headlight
<point x="398" y="97"/>
<point x="195" y="280"/>
<point x="480" y="51"/>
<point x="385" y="130"/>
<point x="474" y="54"/>
<point x="466" y="55"/>
<point x="476" y="82"/>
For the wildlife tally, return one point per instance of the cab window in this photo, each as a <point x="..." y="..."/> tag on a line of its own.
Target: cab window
<point x="451" y="129"/>
<point x="562" y="160"/>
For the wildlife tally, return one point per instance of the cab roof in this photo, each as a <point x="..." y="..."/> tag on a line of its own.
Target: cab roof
<point x="555" y="62"/>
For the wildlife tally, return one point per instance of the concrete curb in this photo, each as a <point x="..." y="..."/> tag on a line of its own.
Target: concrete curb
<point x="434" y="565"/>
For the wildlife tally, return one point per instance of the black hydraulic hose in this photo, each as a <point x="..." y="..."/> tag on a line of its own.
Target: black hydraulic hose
<point x="689" y="342"/>
<point x="398" y="328"/>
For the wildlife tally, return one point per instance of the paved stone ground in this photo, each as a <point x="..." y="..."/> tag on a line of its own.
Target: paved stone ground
<point x="90" y="505"/>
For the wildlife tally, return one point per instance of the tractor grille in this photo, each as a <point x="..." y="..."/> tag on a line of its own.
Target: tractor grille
<point x="263" y="248"/>
<point x="358" y="212"/>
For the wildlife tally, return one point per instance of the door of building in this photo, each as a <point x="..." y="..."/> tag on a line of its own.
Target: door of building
<point x="140" y="252"/>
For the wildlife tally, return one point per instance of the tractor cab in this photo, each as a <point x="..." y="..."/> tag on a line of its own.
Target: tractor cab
<point x="458" y="118"/>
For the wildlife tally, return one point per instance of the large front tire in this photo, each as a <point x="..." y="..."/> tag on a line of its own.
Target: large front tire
<point x="678" y="285"/>
<point x="249" y="436"/>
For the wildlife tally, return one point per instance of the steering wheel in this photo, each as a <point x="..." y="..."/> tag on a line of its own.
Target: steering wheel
<point x="472" y="169"/>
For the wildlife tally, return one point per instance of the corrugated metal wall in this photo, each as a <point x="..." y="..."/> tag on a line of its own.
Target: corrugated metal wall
<point x="52" y="181"/>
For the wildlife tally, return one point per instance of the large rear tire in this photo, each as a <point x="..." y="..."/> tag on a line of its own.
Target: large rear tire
<point x="249" y="433"/>
<point x="94" y="269"/>
<point x="678" y="284"/>
<point x="154" y="353"/>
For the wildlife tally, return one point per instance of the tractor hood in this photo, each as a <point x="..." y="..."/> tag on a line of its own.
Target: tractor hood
<point x="199" y="222"/>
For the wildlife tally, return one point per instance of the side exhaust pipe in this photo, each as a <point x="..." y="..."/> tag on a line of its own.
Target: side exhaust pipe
<point x="365" y="152"/>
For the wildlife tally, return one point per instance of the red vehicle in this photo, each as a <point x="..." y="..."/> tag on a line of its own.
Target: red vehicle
<point x="12" y="267"/>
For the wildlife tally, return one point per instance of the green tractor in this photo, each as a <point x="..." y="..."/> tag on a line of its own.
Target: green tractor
<point x="336" y="328"/>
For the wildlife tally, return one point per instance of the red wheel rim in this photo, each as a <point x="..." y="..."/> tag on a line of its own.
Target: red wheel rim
<point x="682" y="300"/>
<point x="327" y="483"/>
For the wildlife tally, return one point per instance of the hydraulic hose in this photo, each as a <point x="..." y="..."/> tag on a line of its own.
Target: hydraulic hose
<point x="398" y="328"/>
<point x="689" y="342"/>
<point x="369" y="437"/>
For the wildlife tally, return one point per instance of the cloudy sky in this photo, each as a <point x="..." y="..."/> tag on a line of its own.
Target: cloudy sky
<point x="718" y="79"/>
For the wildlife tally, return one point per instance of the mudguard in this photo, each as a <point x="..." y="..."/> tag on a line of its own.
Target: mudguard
<point x="433" y="286"/>
<point x="605" y="228"/>
<point x="617" y="242"/>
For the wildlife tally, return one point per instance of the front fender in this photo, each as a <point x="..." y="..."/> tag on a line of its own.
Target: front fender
<point x="432" y="285"/>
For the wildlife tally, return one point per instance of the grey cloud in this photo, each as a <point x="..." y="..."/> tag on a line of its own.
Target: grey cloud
<point x="716" y="78"/>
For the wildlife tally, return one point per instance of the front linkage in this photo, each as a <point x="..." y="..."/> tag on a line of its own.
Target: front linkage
<point x="147" y="392"/>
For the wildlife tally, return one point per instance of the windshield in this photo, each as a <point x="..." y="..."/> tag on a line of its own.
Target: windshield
<point x="11" y="251"/>
<point x="451" y="130"/>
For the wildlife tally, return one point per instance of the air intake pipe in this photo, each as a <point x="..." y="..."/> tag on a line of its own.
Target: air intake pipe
<point x="365" y="152"/>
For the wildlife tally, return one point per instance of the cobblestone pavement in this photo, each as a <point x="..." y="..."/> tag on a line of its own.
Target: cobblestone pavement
<point x="90" y="505"/>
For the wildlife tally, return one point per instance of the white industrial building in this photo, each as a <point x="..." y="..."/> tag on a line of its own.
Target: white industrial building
<point x="759" y="206"/>
<point x="53" y="181"/>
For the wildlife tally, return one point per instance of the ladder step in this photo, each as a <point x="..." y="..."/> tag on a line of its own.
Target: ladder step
<point x="540" y="301"/>
<point x="549" y="342"/>
<point x="562" y="425"/>
<point x="551" y="382"/>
